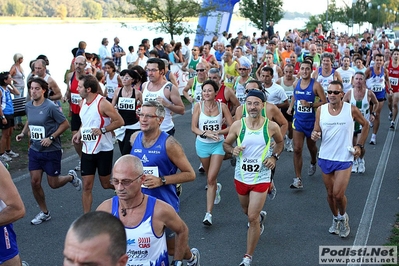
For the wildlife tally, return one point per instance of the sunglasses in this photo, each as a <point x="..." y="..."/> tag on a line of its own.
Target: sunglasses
<point x="243" y="69"/>
<point x="200" y="70"/>
<point x="334" y="92"/>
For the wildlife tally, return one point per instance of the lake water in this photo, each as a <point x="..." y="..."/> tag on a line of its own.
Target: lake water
<point x="57" y="40"/>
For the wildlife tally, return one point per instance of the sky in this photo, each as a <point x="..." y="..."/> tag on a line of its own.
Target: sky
<point x="312" y="6"/>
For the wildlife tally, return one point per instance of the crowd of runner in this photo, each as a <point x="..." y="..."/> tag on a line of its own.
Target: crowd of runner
<point x="252" y="97"/>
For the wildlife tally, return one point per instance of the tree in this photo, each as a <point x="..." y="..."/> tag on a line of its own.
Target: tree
<point x="253" y="10"/>
<point x="62" y="11"/>
<point x="92" y="9"/>
<point x="15" y="8"/>
<point x="171" y="15"/>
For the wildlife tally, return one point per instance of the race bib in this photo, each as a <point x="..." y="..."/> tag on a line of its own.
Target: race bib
<point x="251" y="165"/>
<point x="212" y="127"/>
<point x="197" y="96"/>
<point x="346" y="80"/>
<point x="75" y="98"/>
<point x="128" y="104"/>
<point x="110" y="90"/>
<point x="393" y="81"/>
<point x="37" y="132"/>
<point x="303" y="109"/>
<point x="377" y="88"/>
<point x="87" y="135"/>
<point x="150" y="170"/>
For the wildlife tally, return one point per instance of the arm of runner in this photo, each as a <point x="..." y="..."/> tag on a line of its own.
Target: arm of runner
<point x="194" y="121"/>
<point x="115" y="98"/>
<point x="316" y="133"/>
<point x="177" y="105"/>
<point x="347" y="96"/>
<point x="186" y="89"/>
<point x="277" y="117"/>
<point x="15" y="208"/>
<point x="231" y="138"/>
<point x="230" y="97"/>
<point x="108" y="110"/>
<point x="318" y="89"/>
<point x="337" y="76"/>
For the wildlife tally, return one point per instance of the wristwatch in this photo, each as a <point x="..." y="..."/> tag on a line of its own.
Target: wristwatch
<point x="360" y="146"/>
<point x="103" y="130"/>
<point x="51" y="138"/>
<point x="3" y="117"/>
<point x="163" y="180"/>
<point x="275" y="155"/>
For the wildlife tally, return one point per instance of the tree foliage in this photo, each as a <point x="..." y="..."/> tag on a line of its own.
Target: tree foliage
<point x="15" y="8"/>
<point x="171" y="15"/>
<point x="253" y="10"/>
<point x="92" y="9"/>
<point x="62" y="11"/>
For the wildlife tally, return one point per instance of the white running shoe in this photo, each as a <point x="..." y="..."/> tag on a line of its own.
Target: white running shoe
<point x="373" y="139"/>
<point x="344" y="228"/>
<point x="297" y="183"/>
<point x="77" y="168"/>
<point x="262" y="221"/>
<point x="12" y="154"/>
<point x="246" y="261"/>
<point x="218" y="197"/>
<point x="312" y="169"/>
<point x="273" y="192"/>
<point x="355" y="166"/>
<point x="334" y="229"/>
<point x="5" y="158"/>
<point x="207" y="219"/>
<point x="361" y="166"/>
<point x="196" y="260"/>
<point x="289" y="147"/>
<point x="76" y="182"/>
<point x="40" y="217"/>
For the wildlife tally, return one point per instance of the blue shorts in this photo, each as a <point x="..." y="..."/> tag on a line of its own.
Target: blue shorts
<point x="380" y="95"/>
<point x="8" y="243"/>
<point x="205" y="150"/>
<point x="49" y="162"/>
<point x="305" y="127"/>
<point x="328" y="166"/>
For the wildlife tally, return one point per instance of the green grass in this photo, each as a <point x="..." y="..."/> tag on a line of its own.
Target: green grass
<point x="22" y="147"/>
<point x="394" y="238"/>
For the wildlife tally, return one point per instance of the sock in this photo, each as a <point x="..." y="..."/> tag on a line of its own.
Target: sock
<point x="248" y="256"/>
<point x="335" y="217"/>
<point x="341" y="217"/>
<point x="8" y="151"/>
<point x="373" y="135"/>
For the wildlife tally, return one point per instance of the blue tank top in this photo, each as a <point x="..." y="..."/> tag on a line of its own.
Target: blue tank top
<point x="155" y="159"/>
<point x="301" y="112"/>
<point x="6" y="102"/>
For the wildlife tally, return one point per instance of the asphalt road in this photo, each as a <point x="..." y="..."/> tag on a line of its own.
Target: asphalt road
<point x="297" y="220"/>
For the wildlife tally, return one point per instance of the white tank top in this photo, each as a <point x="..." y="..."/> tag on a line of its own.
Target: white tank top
<point x="212" y="123"/>
<point x="335" y="130"/>
<point x="91" y="118"/>
<point x="275" y="73"/>
<point x="289" y="90"/>
<point x="167" y="123"/>
<point x="111" y="85"/>
<point x="240" y="90"/>
<point x="250" y="168"/>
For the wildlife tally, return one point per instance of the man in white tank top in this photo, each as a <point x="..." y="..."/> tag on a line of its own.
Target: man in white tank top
<point x="158" y="89"/>
<point x="334" y="121"/>
<point x="40" y="71"/>
<point x="99" y="119"/>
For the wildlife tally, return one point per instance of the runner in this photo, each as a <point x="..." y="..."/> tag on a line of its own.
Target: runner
<point x="393" y="95"/>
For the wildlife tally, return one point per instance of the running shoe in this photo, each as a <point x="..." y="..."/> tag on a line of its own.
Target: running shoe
<point x="218" y="197"/>
<point x="41" y="217"/>
<point x="12" y="154"/>
<point x="24" y="263"/>
<point x="76" y="182"/>
<point x="201" y="169"/>
<point x="344" y="228"/>
<point x="312" y="169"/>
<point x="355" y="166"/>
<point x="297" y="183"/>
<point x="373" y="140"/>
<point x="77" y="168"/>
<point x="334" y="229"/>
<point x="392" y="125"/>
<point x="179" y="189"/>
<point x="371" y="124"/>
<point x="5" y="158"/>
<point x="207" y="219"/>
<point x="390" y="116"/>
<point x="196" y="261"/>
<point x="289" y="147"/>
<point x="362" y="166"/>
<point x="246" y="261"/>
<point x="272" y="192"/>
<point x="262" y="221"/>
